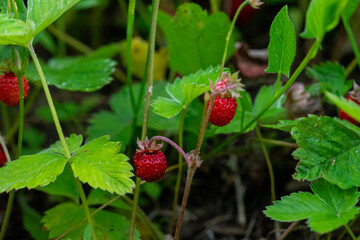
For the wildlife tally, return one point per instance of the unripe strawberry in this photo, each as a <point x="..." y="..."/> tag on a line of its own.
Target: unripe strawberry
<point x="9" y="89"/>
<point x="3" y="159"/>
<point x="344" y="116"/>
<point x="149" y="161"/>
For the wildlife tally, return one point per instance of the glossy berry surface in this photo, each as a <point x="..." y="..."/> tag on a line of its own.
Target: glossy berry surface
<point x="2" y="157"/>
<point x="9" y="89"/>
<point x="150" y="165"/>
<point x="344" y="116"/>
<point x="223" y="111"/>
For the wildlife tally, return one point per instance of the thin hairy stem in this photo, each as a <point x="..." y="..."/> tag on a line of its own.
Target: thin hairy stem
<point x="350" y="232"/>
<point x="288" y="230"/>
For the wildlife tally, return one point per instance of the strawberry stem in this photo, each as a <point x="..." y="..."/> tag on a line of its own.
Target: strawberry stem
<point x="179" y="149"/>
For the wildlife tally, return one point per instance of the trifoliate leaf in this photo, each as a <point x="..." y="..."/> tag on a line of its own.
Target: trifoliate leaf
<point x="100" y="164"/>
<point x="327" y="209"/>
<point x="327" y="149"/>
<point x="84" y="74"/>
<point x="331" y="77"/>
<point x="183" y="91"/>
<point x="39" y="169"/>
<point x="282" y="44"/>
<point x="195" y="40"/>
<point x="108" y="225"/>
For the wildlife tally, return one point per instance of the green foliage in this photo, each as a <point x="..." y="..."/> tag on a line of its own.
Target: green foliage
<point x="331" y="77"/>
<point x="349" y="9"/>
<point x="282" y="44"/>
<point x="85" y="74"/>
<point x="107" y="225"/>
<point x="183" y="91"/>
<point x="100" y="164"/>
<point x="351" y="108"/>
<point x="14" y="32"/>
<point x="38" y="169"/>
<point x="322" y="16"/>
<point x="64" y="185"/>
<point x="32" y="223"/>
<point x="152" y="189"/>
<point x="43" y="13"/>
<point x="283" y="125"/>
<point x="327" y="209"/>
<point x="118" y="121"/>
<point x="195" y="40"/>
<point x="21" y="9"/>
<point x="327" y="149"/>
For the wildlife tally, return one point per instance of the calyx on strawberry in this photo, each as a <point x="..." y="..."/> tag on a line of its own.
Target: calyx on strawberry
<point x="149" y="161"/>
<point x="353" y="96"/>
<point x="3" y="158"/>
<point x="9" y="89"/>
<point x="224" y="108"/>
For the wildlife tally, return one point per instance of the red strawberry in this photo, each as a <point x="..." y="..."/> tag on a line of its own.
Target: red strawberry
<point x="344" y="116"/>
<point x="3" y="159"/>
<point x="9" y="89"/>
<point x="150" y="162"/>
<point x="223" y="111"/>
<point x="224" y="108"/>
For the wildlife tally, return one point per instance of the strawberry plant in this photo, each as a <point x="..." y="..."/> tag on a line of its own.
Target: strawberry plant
<point x="192" y="140"/>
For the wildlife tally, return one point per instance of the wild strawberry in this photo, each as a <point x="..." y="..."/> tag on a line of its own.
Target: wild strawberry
<point x="344" y="116"/>
<point x="149" y="161"/>
<point x="3" y="159"/>
<point x="224" y="108"/>
<point x="9" y="89"/>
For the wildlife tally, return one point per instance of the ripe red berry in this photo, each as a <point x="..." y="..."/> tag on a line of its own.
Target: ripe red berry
<point x="223" y="111"/>
<point x="9" y="89"/>
<point x="3" y="159"/>
<point x="150" y="165"/>
<point x="344" y="116"/>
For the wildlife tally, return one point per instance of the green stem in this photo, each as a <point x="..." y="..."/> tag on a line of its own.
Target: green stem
<point x="129" y="34"/>
<point x="15" y="9"/>
<point x="268" y="163"/>
<point x="59" y="130"/>
<point x="310" y="55"/>
<point x="150" y="80"/>
<point x="351" y="67"/>
<point x="288" y="230"/>
<point x="134" y="206"/>
<point x="230" y="32"/>
<point x="276" y="142"/>
<point x="7" y="214"/>
<point x="352" y="39"/>
<point x="86" y="206"/>
<point x="214" y="6"/>
<point x="350" y="232"/>
<point x="278" y="82"/>
<point x="8" y="7"/>
<point x="179" y="173"/>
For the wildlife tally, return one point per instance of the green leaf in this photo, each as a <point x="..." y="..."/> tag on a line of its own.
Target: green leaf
<point x="14" y="32"/>
<point x="321" y="17"/>
<point x="183" y="91"/>
<point x="326" y="210"/>
<point x="64" y="185"/>
<point x="327" y="149"/>
<point x="32" y="223"/>
<point x="331" y="77"/>
<point x="100" y="164"/>
<point x="87" y="232"/>
<point x="195" y="40"/>
<point x="100" y="197"/>
<point x="349" y="9"/>
<point x="107" y="225"/>
<point x="84" y="74"/>
<point x="275" y="112"/>
<point x="38" y="169"/>
<point x="44" y="13"/>
<point x="351" y="108"/>
<point x="282" y="44"/>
